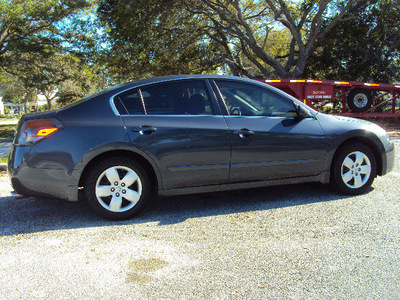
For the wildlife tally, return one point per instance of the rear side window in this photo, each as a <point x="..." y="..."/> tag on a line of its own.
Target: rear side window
<point x="188" y="97"/>
<point x="129" y="103"/>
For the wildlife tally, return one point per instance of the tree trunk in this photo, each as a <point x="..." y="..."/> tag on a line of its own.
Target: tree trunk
<point x="48" y="103"/>
<point x="26" y="101"/>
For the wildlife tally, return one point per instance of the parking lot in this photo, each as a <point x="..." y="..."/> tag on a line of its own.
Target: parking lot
<point x="292" y="242"/>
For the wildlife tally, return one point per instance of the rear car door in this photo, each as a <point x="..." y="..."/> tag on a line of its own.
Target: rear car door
<point x="180" y="126"/>
<point x="269" y="141"/>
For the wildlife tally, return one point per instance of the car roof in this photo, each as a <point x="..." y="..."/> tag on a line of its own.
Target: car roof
<point x="138" y="83"/>
<point x="180" y="77"/>
<point x="113" y="90"/>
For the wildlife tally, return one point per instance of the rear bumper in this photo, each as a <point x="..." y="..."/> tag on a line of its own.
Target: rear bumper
<point x="39" y="182"/>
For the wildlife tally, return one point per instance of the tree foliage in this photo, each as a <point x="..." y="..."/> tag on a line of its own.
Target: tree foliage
<point x="40" y="27"/>
<point x="43" y="43"/>
<point x="250" y="37"/>
<point x="11" y="88"/>
<point x="364" y="48"/>
<point x="152" y="37"/>
<point x="82" y="80"/>
<point x="56" y="45"/>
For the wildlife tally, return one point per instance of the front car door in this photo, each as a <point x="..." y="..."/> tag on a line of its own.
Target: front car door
<point x="269" y="141"/>
<point x="179" y="125"/>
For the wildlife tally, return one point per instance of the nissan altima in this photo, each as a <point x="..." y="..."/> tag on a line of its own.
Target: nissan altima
<point x="124" y="146"/>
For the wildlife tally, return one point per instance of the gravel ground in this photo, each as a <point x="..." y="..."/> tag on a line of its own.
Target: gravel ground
<point x="296" y="242"/>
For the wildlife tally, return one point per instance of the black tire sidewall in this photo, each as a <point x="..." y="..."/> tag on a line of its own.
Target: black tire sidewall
<point x="350" y="100"/>
<point x="90" y="187"/>
<point x="336" y="176"/>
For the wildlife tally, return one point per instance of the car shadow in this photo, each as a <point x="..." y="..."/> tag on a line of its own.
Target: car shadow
<point x="30" y="215"/>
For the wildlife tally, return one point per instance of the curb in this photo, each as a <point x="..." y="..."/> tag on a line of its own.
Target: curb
<point x="6" y="140"/>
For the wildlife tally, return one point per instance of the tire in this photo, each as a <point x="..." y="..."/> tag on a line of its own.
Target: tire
<point x="359" y="100"/>
<point x="118" y="188"/>
<point x="353" y="169"/>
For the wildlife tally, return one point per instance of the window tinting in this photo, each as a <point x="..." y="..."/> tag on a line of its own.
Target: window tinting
<point x="130" y="102"/>
<point x="177" y="98"/>
<point x="251" y="100"/>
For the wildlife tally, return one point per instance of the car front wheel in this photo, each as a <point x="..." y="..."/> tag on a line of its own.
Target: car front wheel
<point x="118" y="188"/>
<point x="354" y="169"/>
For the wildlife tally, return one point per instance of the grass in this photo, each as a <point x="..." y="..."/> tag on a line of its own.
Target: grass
<point x="3" y="159"/>
<point x="7" y="131"/>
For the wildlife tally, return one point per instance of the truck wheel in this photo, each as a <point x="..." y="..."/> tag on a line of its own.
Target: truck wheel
<point x="118" y="188"/>
<point x="359" y="100"/>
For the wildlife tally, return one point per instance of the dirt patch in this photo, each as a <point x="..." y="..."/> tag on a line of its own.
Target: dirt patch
<point x="139" y="269"/>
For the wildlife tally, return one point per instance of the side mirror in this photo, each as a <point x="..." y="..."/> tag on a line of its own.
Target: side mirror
<point x="302" y="112"/>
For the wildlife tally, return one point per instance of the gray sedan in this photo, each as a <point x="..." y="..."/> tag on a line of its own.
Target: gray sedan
<point x="122" y="147"/>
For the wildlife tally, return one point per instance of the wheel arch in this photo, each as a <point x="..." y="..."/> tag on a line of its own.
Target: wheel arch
<point x="369" y="143"/>
<point x="122" y="153"/>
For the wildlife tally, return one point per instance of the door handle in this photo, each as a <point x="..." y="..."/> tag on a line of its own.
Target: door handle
<point x="244" y="132"/>
<point x="145" y="129"/>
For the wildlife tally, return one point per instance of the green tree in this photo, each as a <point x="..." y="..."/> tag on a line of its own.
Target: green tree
<point x="61" y="76"/>
<point x="189" y="36"/>
<point x="84" y="80"/>
<point x="43" y="43"/>
<point x="11" y="88"/>
<point x="41" y="27"/>
<point x="364" y="48"/>
<point x="150" y="37"/>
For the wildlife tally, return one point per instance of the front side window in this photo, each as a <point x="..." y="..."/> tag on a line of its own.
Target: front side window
<point x="251" y="100"/>
<point x="189" y="97"/>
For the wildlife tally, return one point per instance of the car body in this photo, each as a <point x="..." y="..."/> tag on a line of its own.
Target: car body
<point x="189" y="134"/>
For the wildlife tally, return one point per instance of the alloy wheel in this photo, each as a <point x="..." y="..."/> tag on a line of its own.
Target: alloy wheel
<point x="118" y="188"/>
<point x="356" y="169"/>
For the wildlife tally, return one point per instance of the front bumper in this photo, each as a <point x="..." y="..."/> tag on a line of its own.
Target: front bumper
<point x="388" y="163"/>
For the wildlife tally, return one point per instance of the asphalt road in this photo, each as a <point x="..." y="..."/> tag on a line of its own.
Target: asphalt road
<point x="297" y="242"/>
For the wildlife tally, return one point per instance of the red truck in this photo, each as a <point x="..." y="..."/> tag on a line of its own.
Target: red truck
<point x="357" y="99"/>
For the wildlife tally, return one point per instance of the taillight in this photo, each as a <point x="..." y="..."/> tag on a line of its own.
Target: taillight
<point x="32" y="131"/>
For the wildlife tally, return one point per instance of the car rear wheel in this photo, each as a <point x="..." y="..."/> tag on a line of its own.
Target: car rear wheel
<point x="354" y="169"/>
<point x="118" y="188"/>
